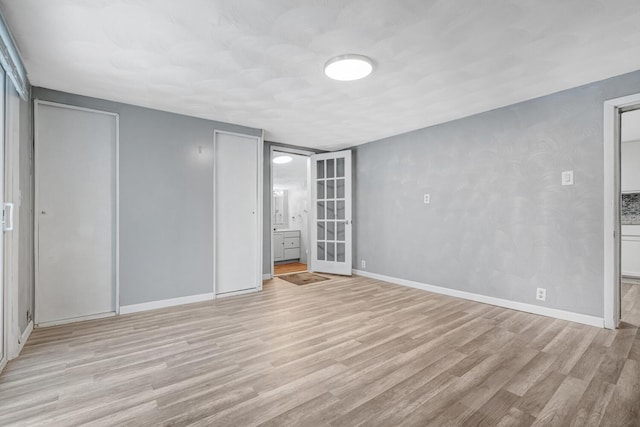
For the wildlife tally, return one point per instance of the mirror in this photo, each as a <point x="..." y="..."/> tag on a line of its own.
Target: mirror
<point x="280" y="208"/>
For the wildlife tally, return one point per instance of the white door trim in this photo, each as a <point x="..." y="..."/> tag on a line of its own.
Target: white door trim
<point x="259" y="209"/>
<point x="612" y="110"/>
<point x="279" y="149"/>
<point x="36" y="208"/>
<point x="6" y="299"/>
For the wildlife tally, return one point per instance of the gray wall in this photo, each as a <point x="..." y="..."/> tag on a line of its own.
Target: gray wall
<point x="166" y="199"/>
<point x="499" y="223"/>
<point x="25" y="212"/>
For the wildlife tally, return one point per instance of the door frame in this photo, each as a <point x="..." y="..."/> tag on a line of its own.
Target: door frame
<point x="36" y="209"/>
<point x="259" y="211"/>
<point x="300" y="152"/>
<point x="613" y="108"/>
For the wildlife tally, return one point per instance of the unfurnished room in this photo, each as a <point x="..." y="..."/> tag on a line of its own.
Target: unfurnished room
<point x="320" y="213"/>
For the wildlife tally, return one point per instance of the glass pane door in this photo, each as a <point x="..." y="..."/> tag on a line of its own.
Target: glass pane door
<point x="331" y="196"/>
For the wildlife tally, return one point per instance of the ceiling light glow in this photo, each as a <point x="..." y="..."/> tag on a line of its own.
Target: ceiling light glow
<point x="282" y="159"/>
<point x="348" y="67"/>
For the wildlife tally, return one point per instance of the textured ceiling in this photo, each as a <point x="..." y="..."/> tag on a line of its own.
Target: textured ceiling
<point x="259" y="63"/>
<point x="290" y="175"/>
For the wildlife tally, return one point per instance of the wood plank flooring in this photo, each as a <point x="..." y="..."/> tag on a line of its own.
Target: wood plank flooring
<point x="346" y="352"/>
<point x="290" y="267"/>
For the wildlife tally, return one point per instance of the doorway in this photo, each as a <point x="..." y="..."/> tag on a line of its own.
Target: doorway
<point x="621" y="130"/>
<point x="630" y="217"/>
<point x="290" y="198"/>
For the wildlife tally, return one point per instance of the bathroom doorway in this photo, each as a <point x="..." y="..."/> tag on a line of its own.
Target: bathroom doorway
<point x="290" y="203"/>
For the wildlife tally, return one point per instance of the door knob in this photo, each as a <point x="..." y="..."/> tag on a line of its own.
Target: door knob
<point x="43" y="212"/>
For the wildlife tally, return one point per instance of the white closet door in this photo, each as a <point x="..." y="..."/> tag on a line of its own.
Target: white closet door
<point x="237" y="240"/>
<point x="331" y="213"/>
<point x="3" y="327"/>
<point x="76" y="196"/>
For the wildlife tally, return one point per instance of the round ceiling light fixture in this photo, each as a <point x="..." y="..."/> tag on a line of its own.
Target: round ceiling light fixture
<point x="282" y="159"/>
<point x="348" y="67"/>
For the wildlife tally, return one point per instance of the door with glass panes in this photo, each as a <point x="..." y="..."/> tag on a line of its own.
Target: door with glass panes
<point x="331" y="213"/>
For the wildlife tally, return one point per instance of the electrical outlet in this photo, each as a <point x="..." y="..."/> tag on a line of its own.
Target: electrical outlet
<point x="427" y="199"/>
<point x="363" y="264"/>
<point x="567" y="178"/>
<point x="541" y="294"/>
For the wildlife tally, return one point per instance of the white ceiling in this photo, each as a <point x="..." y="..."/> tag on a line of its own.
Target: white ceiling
<point x="630" y="126"/>
<point x="290" y="175"/>
<point x="259" y="63"/>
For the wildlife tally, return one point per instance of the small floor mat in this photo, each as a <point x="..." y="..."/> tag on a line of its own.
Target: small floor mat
<point x="305" y="278"/>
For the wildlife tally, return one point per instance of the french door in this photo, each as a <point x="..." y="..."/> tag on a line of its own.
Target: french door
<point x="331" y="213"/>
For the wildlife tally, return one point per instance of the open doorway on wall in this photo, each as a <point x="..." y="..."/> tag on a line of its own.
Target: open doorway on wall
<point x="630" y="217"/>
<point x="289" y="210"/>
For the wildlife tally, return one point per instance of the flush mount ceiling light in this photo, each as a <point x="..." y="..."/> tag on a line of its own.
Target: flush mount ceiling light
<point x="348" y="67"/>
<point x="282" y="159"/>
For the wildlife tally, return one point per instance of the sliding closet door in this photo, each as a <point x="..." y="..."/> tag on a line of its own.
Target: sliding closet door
<point x="76" y="213"/>
<point x="237" y="252"/>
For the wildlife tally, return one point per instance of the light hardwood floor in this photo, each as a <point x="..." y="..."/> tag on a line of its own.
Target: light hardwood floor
<point x="346" y="352"/>
<point x="290" y="267"/>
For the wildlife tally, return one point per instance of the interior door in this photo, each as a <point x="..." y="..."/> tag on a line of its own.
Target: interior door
<point x="237" y="249"/>
<point x="76" y="196"/>
<point x="331" y="213"/>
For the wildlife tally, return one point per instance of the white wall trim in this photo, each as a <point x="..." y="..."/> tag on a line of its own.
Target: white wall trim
<point x="76" y="319"/>
<point x="611" y="203"/>
<point x="236" y="293"/>
<point x="632" y="274"/>
<point x="267" y="276"/>
<point x="514" y="305"/>
<point x="145" y="306"/>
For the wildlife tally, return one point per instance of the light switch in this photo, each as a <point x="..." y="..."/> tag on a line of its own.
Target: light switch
<point x="567" y="178"/>
<point x="427" y="199"/>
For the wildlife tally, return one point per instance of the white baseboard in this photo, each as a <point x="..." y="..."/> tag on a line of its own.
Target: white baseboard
<point x="22" y="340"/>
<point x="242" y="292"/>
<point x="75" y="319"/>
<point x="266" y="276"/>
<point x="633" y="274"/>
<point x="514" y="305"/>
<point x="134" y="308"/>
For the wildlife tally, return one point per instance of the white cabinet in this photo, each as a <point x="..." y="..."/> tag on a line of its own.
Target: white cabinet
<point x="630" y="167"/>
<point x="286" y="245"/>
<point x="278" y="246"/>
<point x="630" y="256"/>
